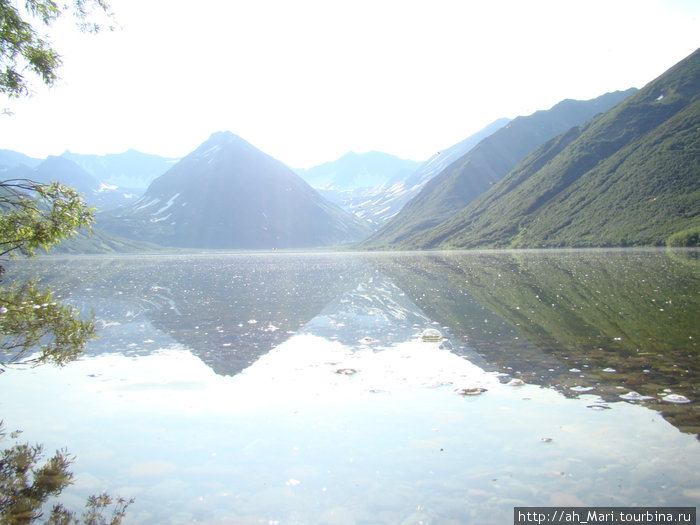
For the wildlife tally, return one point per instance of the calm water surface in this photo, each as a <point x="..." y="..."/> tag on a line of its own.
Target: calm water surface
<point x="295" y="388"/>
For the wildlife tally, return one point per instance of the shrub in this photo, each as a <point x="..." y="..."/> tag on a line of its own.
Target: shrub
<point x="686" y="238"/>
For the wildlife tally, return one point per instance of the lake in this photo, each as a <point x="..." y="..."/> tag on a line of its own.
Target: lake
<point x="285" y="388"/>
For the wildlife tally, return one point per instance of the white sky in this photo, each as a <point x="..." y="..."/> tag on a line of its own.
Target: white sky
<point x="307" y="81"/>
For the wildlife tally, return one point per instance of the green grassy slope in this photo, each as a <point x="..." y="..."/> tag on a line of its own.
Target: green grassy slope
<point x="100" y="241"/>
<point x="628" y="177"/>
<point x="482" y="166"/>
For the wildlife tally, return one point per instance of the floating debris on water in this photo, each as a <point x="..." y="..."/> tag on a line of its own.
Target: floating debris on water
<point x="291" y="482"/>
<point x="346" y="371"/>
<point x="546" y="440"/>
<point x="676" y="398"/>
<point x="431" y="335"/>
<point x="515" y="382"/>
<point x="598" y="407"/>
<point x="634" y="396"/>
<point x="367" y="340"/>
<point x="471" y="391"/>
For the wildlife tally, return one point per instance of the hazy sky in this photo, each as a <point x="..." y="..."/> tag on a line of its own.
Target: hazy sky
<point x="307" y="81"/>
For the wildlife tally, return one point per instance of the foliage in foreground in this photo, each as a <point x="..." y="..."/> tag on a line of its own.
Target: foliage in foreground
<point x="26" y="486"/>
<point x="37" y="215"/>
<point x="22" y="48"/>
<point x="31" y="319"/>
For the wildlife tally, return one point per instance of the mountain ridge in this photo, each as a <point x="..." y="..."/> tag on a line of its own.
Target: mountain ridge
<point x="484" y="165"/>
<point x="630" y="176"/>
<point x="357" y="170"/>
<point x="229" y="194"/>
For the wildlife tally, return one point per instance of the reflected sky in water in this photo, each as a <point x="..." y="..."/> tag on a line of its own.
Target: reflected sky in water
<point x="297" y="389"/>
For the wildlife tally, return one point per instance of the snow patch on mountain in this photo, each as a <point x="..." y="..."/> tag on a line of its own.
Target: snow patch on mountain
<point x="167" y="205"/>
<point x="152" y="202"/>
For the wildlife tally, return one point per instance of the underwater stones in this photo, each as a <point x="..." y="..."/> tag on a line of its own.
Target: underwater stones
<point x="471" y="391"/>
<point x="431" y="335"/>
<point x="579" y="388"/>
<point x="634" y="396"/>
<point x="676" y="398"/>
<point x="598" y="406"/>
<point x="346" y="371"/>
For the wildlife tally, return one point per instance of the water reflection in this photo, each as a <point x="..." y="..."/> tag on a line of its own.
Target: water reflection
<point x="614" y="323"/>
<point x="228" y="309"/>
<point x="297" y="389"/>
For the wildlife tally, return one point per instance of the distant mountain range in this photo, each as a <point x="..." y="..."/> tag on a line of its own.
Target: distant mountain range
<point x="227" y="194"/>
<point x="628" y="177"/>
<point x="12" y="159"/>
<point x="395" y="185"/>
<point x="97" y="193"/>
<point x="619" y="170"/>
<point x="482" y="166"/>
<point x="131" y="169"/>
<point x="353" y="171"/>
<point x="106" y="181"/>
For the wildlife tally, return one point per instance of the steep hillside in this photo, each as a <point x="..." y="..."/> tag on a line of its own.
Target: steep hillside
<point x="228" y="194"/>
<point x="474" y="173"/>
<point x="628" y="177"/>
<point x="378" y="203"/>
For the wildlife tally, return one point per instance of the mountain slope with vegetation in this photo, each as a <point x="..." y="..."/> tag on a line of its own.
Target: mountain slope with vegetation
<point x="484" y="165"/>
<point x="402" y="179"/>
<point x="628" y="177"/>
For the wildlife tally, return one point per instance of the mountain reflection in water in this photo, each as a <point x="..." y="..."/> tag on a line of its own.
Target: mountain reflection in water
<point x="296" y="387"/>
<point x="607" y="322"/>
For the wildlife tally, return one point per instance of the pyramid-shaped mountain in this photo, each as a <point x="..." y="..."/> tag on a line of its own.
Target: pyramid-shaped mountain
<point x="630" y="176"/>
<point x="485" y="164"/>
<point x="227" y="194"/>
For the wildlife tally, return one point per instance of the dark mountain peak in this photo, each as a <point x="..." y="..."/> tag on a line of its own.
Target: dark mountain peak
<point x="224" y="144"/>
<point x="65" y="171"/>
<point x="229" y="194"/>
<point x="59" y="165"/>
<point x="225" y="138"/>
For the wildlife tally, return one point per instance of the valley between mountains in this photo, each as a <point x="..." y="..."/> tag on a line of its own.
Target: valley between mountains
<point x="622" y="169"/>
